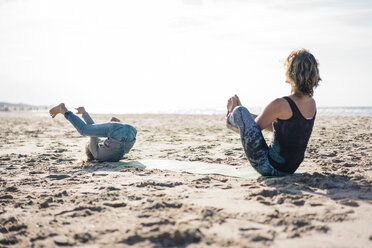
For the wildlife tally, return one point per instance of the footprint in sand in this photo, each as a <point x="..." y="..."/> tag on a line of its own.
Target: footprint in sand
<point x="115" y="204"/>
<point x="63" y="241"/>
<point x="166" y="238"/>
<point x="164" y="204"/>
<point x="348" y="202"/>
<point x="83" y="237"/>
<point x="159" y="184"/>
<point x="9" y="240"/>
<point x="58" y="177"/>
<point x="11" y="228"/>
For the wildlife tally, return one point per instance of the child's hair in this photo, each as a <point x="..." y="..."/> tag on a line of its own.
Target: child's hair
<point x="302" y="68"/>
<point x="88" y="153"/>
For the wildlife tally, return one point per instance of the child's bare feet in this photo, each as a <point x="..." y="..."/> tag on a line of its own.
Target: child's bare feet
<point x="80" y="110"/>
<point x="59" y="109"/>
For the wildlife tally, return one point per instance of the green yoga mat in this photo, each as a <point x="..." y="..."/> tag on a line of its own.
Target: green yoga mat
<point x="192" y="167"/>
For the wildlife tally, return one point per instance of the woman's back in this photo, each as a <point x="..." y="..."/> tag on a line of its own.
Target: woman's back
<point x="306" y="105"/>
<point x="292" y="134"/>
<point x="291" y="118"/>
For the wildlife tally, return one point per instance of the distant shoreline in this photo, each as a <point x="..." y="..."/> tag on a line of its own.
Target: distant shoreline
<point x="321" y="111"/>
<point x="6" y="106"/>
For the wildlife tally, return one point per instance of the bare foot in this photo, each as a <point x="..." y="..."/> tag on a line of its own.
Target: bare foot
<point x="228" y="106"/>
<point x="237" y="100"/>
<point x="231" y="104"/>
<point x="80" y="110"/>
<point x="59" y="109"/>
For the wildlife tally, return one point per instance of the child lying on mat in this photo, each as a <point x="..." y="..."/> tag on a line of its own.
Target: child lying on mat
<point x="120" y="138"/>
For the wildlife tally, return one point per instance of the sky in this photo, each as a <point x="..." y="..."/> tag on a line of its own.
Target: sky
<point x="121" y="56"/>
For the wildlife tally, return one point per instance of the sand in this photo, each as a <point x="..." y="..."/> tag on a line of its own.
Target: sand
<point x="50" y="197"/>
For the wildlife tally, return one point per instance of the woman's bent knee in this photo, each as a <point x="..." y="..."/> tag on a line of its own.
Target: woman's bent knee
<point x="238" y="116"/>
<point x="240" y="110"/>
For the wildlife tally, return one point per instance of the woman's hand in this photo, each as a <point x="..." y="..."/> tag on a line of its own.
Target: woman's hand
<point x="228" y="125"/>
<point x="80" y="110"/>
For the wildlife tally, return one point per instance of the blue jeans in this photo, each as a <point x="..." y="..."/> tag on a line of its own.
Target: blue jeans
<point x="253" y="142"/>
<point x="124" y="133"/>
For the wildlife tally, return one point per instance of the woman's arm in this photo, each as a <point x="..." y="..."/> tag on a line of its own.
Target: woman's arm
<point x="275" y="109"/>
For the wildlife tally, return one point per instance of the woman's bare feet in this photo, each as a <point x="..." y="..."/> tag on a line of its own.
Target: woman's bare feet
<point x="237" y="100"/>
<point x="59" y="109"/>
<point x="232" y="103"/>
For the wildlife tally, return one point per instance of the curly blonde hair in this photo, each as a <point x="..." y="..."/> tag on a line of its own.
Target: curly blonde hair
<point x="302" y="69"/>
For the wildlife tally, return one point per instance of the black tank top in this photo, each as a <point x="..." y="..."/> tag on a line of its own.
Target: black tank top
<point x="287" y="149"/>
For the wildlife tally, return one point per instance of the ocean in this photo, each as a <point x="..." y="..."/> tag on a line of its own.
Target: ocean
<point x="321" y="111"/>
<point x="344" y="111"/>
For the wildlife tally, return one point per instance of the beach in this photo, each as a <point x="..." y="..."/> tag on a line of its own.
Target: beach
<point x="51" y="197"/>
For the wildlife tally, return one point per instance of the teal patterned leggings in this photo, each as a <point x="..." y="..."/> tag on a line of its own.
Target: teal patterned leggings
<point x="253" y="142"/>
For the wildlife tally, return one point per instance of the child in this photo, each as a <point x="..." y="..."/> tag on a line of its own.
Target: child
<point x="120" y="138"/>
<point x="291" y="118"/>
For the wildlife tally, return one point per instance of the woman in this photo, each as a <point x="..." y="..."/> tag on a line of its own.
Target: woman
<point x="120" y="138"/>
<point x="291" y="118"/>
